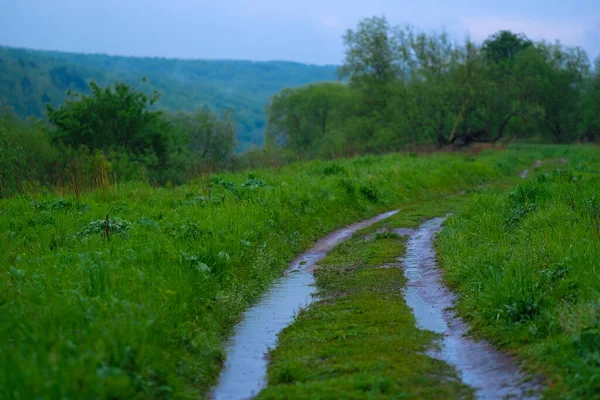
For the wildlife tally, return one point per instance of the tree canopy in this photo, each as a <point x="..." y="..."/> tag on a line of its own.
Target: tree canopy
<point x="110" y="118"/>
<point x="412" y="88"/>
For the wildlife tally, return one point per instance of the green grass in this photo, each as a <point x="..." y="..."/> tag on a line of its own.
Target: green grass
<point x="525" y="266"/>
<point x="145" y="315"/>
<point x="360" y="340"/>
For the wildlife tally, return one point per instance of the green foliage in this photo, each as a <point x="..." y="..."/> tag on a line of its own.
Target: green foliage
<point x="370" y="51"/>
<point x="114" y="130"/>
<point x="333" y="168"/>
<point x="112" y="135"/>
<point x="111" y="119"/>
<point x="409" y="88"/>
<point x="504" y="46"/>
<point x="145" y="315"/>
<point x="532" y="285"/>
<point x="303" y="119"/>
<point x="590" y="104"/>
<point x="525" y="199"/>
<point x="29" y="79"/>
<point x="371" y="193"/>
<point x="26" y="154"/>
<point x="116" y="226"/>
<point x="210" y="140"/>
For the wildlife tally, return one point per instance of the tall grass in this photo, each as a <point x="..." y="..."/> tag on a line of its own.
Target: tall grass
<point x="145" y="314"/>
<point x="525" y="264"/>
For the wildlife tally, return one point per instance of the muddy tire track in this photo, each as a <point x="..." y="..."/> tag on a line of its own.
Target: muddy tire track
<point x="244" y="373"/>
<point x="245" y="370"/>
<point x="539" y="163"/>
<point x="493" y="374"/>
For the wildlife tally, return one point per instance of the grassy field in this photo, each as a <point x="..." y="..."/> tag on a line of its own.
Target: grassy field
<point x="145" y="314"/>
<point x="525" y="265"/>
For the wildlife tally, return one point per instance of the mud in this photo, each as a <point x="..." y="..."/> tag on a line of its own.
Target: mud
<point x="539" y="163"/>
<point x="244" y="373"/>
<point x="525" y="173"/>
<point x="399" y="232"/>
<point x="494" y="375"/>
<point x="404" y="231"/>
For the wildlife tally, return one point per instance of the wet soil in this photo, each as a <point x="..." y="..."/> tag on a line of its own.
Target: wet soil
<point x="244" y="373"/>
<point x="525" y="173"/>
<point x="539" y="163"/>
<point x="494" y="375"/>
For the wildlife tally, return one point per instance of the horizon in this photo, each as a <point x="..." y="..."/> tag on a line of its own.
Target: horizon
<point x="308" y="32"/>
<point x="166" y="58"/>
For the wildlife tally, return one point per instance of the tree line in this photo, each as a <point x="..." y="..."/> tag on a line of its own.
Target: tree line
<point x="406" y="87"/>
<point x="110" y="135"/>
<point x="31" y="78"/>
<point x="398" y="88"/>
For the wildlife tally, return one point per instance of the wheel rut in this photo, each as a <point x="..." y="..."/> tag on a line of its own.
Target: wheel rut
<point x="245" y="370"/>
<point x="493" y="374"/>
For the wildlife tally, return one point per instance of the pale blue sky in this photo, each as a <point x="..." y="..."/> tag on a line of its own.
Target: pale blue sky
<point x="297" y="30"/>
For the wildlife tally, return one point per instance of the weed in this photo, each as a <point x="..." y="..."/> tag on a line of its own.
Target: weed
<point x="371" y="193"/>
<point x="253" y="184"/>
<point x="541" y="270"/>
<point x="333" y="168"/>
<point x="386" y="235"/>
<point x="102" y="226"/>
<point x="348" y="187"/>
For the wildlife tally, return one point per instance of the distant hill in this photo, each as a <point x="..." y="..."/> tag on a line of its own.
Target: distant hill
<point x="31" y="78"/>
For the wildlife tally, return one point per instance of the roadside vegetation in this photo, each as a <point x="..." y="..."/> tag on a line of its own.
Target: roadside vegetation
<point x="524" y="263"/>
<point x="144" y="311"/>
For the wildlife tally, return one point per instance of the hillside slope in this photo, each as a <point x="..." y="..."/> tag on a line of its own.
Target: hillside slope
<point x="31" y="78"/>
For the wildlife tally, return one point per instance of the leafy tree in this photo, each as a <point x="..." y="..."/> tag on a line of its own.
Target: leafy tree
<point x="304" y="119"/>
<point x="370" y="52"/>
<point x="493" y="85"/>
<point x="561" y="79"/>
<point x="504" y="47"/>
<point x="112" y="119"/>
<point x="590" y="105"/>
<point x="207" y="138"/>
<point x="26" y="153"/>
<point x="430" y="101"/>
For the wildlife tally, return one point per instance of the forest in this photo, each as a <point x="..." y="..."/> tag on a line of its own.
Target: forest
<point x="30" y="78"/>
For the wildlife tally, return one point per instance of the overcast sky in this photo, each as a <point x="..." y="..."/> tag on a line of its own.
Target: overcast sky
<point x="296" y="30"/>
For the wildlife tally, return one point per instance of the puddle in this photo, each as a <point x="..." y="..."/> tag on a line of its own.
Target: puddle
<point x="493" y="374"/>
<point x="245" y="370"/>
<point x="404" y="231"/>
<point x="537" y="164"/>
